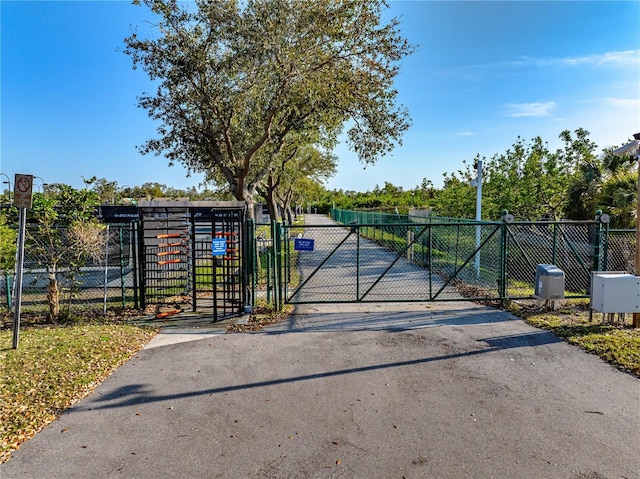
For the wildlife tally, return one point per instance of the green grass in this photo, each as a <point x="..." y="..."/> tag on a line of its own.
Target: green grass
<point x="618" y="344"/>
<point x="54" y="367"/>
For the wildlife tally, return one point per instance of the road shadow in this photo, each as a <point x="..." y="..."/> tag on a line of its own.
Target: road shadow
<point x="385" y="319"/>
<point x="141" y="393"/>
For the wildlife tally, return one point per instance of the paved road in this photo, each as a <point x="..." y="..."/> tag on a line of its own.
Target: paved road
<point x="361" y="391"/>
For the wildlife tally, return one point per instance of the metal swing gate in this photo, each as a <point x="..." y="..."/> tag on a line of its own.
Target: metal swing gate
<point x="410" y="261"/>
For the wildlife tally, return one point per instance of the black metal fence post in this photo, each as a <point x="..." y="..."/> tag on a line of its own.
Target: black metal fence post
<point x="142" y="265"/>
<point x="134" y="265"/>
<point x="122" y="285"/>
<point x="502" y="290"/>
<point x="250" y="252"/>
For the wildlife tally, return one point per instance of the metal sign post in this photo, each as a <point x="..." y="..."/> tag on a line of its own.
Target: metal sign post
<point x="23" y="188"/>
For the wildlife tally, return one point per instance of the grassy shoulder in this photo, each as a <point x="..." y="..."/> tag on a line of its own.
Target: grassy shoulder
<point x="54" y="367"/>
<point x="618" y="344"/>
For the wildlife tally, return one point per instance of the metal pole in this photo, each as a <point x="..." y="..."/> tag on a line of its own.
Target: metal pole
<point x="604" y="245"/>
<point x="214" y="270"/>
<point x="636" y="316"/>
<point x="123" y="292"/>
<point x="193" y="270"/>
<point x="18" y="282"/>
<point x="357" y="263"/>
<point x="278" y="266"/>
<point x="7" y="284"/>
<point x="253" y="271"/>
<point x="503" y="260"/>
<point x="598" y="242"/>
<point x="106" y="272"/>
<point x="133" y="242"/>
<point x="287" y="251"/>
<point x="143" y="260"/>
<point x="430" y="261"/>
<point x="269" y="251"/>
<point x="478" y="216"/>
<point x="554" y="248"/>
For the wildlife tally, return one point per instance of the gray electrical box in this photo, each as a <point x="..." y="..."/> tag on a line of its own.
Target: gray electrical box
<point x="549" y="282"/>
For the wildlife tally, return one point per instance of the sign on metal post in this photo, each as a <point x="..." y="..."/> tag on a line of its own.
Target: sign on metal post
<point x="23" y="188"/>
<point x="23" y="191"/>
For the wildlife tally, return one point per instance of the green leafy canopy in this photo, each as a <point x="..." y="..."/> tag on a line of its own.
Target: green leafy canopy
<point x="235" y="77"/>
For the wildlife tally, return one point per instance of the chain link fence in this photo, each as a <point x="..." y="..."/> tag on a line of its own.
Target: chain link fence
<point x="619" y="254"/>
<point x="457" y="260"/>
<point x="93" y="285"/>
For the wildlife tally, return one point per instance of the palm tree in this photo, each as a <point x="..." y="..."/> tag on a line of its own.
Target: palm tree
<point x="619" y="189"/>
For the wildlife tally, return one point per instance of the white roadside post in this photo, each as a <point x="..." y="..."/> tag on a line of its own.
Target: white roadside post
<point x="633" y="149"/>
<point x="22" y="199"/>
<point x="478" y="184"/>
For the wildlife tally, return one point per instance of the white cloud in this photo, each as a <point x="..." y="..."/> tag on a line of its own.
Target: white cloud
<point x="536" y="109"/>
<point x="621" y="58"/>
<point x="466" y="133"/>
<point x="620" y="103"/>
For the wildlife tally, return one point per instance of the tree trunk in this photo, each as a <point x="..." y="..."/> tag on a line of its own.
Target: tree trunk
<point x="290" y="216"/>
<point x="242" y="192"/>
<point x="272" y="206"/>
<point x="285" y="202"/>
<point x="53" y="297"/>
<point x="251" y="208"/>
<point x="269" y="193"/>
<point x="270" y="197"/>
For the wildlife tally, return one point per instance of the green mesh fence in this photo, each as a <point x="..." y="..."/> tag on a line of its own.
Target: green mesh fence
<point x="370" y="256"/>
<point x="379" y="257"/>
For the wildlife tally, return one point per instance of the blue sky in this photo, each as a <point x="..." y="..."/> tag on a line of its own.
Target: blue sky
<point x="483" y="74"/>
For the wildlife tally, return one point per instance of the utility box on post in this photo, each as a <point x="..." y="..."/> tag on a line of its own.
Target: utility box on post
<point x="615" y="293"/>
<point x="549" y="282"/>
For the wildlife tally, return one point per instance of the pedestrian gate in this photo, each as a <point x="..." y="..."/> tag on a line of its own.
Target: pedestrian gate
<point x="193" y="258"/>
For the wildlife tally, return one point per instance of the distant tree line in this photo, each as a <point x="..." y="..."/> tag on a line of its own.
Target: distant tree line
<point x="529" y="180"/>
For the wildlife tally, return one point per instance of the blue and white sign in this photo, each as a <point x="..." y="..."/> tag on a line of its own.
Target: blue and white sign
<point x="218" y="246"/>
<point x="303" y="244"/>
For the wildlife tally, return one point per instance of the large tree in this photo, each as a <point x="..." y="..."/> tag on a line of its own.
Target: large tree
<point x="235" y="77"/>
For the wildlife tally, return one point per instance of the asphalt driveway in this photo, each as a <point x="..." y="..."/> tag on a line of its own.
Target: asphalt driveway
<point x="353" y="391"/>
